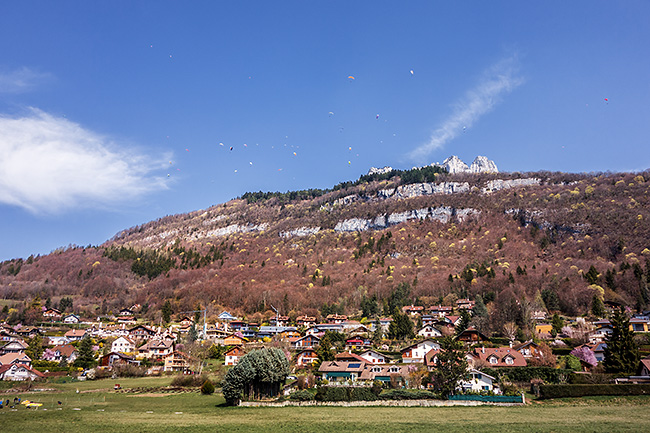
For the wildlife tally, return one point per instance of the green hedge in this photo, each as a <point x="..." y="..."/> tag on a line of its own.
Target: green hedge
<point x="581" y="390"/>
<point x="342" y="393"/>
<point x="402" y="394"/>
<point x="301" y="395"/>
<point x="526" y="374"/>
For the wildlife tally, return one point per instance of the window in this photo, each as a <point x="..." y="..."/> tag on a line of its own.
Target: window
<point x="493" y="360"/>
<point x="509" y="360"/>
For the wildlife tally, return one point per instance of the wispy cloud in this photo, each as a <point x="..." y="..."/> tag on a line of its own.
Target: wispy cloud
<point x="21" y="80"/>
<point x="498" y="80"/>
<point x="49" y="164"/>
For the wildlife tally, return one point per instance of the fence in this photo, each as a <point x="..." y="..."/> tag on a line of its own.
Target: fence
<point x="489" y="398"/>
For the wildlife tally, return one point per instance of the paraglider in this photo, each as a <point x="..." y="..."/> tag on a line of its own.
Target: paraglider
<point x="377" y="116"/>
<point x="231" y="148"/>
<point x="350" y="77"/>
<point x="411" y="71"/>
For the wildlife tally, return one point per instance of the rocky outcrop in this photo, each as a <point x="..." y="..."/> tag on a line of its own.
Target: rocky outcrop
<point x="233" y="228"/>
<point x="454" y="164"/>
<point x="384" y="170"/>
<point x="300" y="232"/>
<point x="499" y="184"/>
<point x="442" y="214"/>
<point x="483" y="165"/>
<point x="419" y="189"/>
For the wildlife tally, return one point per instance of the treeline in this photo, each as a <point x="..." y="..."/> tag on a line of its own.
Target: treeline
<point x="415" y="175"/>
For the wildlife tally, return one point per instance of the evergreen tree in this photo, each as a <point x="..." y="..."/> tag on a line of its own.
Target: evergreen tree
<point x="35" y="348"/>
<point x="464" y="322"/>
<point x="378" y="335"/>
<point x="621" y="353"/>
<point x="401" y="326"/>
<point x="86" y="356"/>
<point x="557" y="323"/>
<point x="597" y="306"/>
<point x="451" y="367"/>
<point x="167" y="312"/>
<point x="479" y="310"/>
<point x="324" y="350"/>
<point x="592" y="275"/>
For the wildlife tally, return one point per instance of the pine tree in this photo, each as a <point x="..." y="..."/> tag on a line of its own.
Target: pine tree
<point x="597" y="306"/>
<point x="451" y="367"/>
<point x="167" y="311"/>
<point x="621" y="353"/>
<point x="86" y="356"/>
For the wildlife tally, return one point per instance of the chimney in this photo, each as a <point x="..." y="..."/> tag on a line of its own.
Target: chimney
<point x="511" y="344"/>
<point x="483" y="349"/>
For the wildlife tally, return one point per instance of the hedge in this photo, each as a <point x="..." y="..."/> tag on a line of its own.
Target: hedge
<point x="581" y="390"/>
<point x="526" y="374"/>
<point x="402" y="394"/>
<point x="301" y="395"/>
<point x="342" y="393"/>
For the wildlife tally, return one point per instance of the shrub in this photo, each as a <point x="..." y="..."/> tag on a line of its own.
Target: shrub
<point x="189" y="380"/>
<point x="207" y="388"/>
<point x="301" y="395"/>
<point x="341" y="393"/>
<point x="402" y="394"/>
<point x="129" y="370"/>
<point x="581" y="390"/>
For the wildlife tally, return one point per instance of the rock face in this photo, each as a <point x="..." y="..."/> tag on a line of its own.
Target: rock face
<point x="483" y="165"/>
<point x="375" y="170"/>
<point x="443" y="214"/>
<point x="454" y="164"/>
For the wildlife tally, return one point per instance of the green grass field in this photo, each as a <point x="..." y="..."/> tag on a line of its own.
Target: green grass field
<point x="97" y="408"/>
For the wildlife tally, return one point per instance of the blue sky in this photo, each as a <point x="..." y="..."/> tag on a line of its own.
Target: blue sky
<point x="113" y="114"/>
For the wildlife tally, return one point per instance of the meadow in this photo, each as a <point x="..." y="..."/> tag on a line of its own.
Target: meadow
<point x="98" y="408"/>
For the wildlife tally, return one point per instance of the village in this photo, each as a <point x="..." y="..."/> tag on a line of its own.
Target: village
<point x="334" y="350"/>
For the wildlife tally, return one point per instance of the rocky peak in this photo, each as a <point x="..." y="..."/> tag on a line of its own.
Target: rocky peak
<point x="483" y="165"/>
<point x="375" y="170"/>
<point x="454" y="164"/>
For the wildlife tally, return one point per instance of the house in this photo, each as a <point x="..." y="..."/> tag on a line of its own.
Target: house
<point x="497" y="357"/>
<point x="15" y="346"/>
<point x="55" y="341"/>
<point x="305" y="321"/>
<point x="340" y="371"/>
<point x="279" y="321"/>
<point x="126" y="312"/>
<point x="234" y="340"/>
<point x="413" y="310"/>
<point x="465" y="304"/>
<point x="75" y="334"/>
<point x="306" y="358"/>
<point x="428" y="331"/>
<point x="186" y="321"/>
<point x="214" y="333"/>
<point x="383" y="373"/>
<point x="141" y="332"/>
<point x="177" y="361"/>
<point x="349" y="356"/>
<point x="66" y="353"/>
<point x="357" y="343"/>
<point x="71" y="319"/>
<point x="127" y="320"/>
<point x="415" y="352"/>
<point x="28" y="331"/>
<point x="599" y="351"/>
<point x="156" y="348"/>
<point x="19" y="372"/>
<point x="52" y="314"/>
<point x="543" y="330"/>
<point x="123" y="345"/>
<point x="226" y="317"/>
<point x="115" y="358"/>
<point x="238" y="325"/>
<point x="472" y="335"/>
<point x="336" y="318"/>
<point x="233" y="354"/>
<point x="374" y="357"/>
<point x="15" y="358"/>
<point x="454" y="320"/>
<point x="528" y="348"/>
<point x="477" y="381"/>
<point x="639" y="324"/>
<point x="440" y="310"/>
<point x="601" y="334"/>
<point x="308" y="341"/>
<point x="431" y="359"/>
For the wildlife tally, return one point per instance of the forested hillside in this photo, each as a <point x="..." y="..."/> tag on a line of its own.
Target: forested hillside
<point x="522" y="241"/>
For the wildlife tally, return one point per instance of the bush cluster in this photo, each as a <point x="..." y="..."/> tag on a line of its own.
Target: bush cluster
<point x="189" y="380"/>
<point x="581" y="390"/>
<point x="342" y="393"/>
<point x="526" y="374"/>
<point x="301" y="395"/>
<point x="402" y="394"/>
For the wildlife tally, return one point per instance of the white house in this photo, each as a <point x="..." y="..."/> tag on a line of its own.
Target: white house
<point x="374" y="357"/>
<point x="416" y="352"/>
<point x="428" y="331"/>
<point x="123" y="345"/>
<point x="478" y="381"/>
<point x="71" y="318"/>
<point x="19" y="372"/>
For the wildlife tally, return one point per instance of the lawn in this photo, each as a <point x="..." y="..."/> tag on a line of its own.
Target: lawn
<point x="96" y="407"/>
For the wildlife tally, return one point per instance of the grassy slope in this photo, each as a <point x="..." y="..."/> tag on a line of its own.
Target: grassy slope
<point x="108" y="411"/>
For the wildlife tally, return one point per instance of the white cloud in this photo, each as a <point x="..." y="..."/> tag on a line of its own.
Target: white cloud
<point x="21" y="80"/>
<point x="498" y="80"/>
<point x="49" y="164"/>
